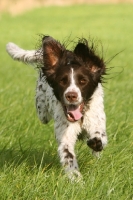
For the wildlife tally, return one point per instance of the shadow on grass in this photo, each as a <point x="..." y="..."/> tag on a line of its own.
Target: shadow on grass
<point x="32" y="157"/>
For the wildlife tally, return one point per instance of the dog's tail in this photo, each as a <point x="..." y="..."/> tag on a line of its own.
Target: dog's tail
<point x="26" y="56"/>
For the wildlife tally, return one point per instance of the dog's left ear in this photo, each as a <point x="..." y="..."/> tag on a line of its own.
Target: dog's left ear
<point x="52" y="52"/>
<point x="94" y="63"/>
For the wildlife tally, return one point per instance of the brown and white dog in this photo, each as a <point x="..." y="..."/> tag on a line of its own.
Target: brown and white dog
<point x="68" y="90"/>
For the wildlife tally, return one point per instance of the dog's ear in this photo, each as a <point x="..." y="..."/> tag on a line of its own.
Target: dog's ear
<point x="52" y="52"/>
<point x="94" y="63"/>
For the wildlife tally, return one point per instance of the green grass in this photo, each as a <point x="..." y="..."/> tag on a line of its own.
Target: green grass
<point x="29" y="164"/>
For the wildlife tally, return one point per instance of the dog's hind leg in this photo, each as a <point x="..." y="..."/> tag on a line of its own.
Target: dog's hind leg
<point x="42" y="100"/>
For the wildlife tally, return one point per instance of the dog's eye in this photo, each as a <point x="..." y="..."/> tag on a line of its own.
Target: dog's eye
<point x="63" y="81"/>
<point x="82" y="81"/>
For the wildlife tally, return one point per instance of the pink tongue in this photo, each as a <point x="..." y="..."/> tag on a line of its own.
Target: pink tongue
<point x="76" y="114"/>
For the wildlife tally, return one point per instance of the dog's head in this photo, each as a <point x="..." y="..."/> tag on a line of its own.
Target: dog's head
<point x="73" y="75"/>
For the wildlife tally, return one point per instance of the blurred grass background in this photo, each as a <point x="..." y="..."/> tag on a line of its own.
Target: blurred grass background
<point x="29" y="164"/>
<point x="19" y="6"/>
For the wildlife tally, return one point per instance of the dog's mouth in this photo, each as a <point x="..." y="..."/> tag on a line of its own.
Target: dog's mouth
<point x="73" y="112"/>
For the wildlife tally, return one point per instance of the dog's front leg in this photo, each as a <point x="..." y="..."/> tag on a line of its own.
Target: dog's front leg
<point x="95" y="122"/>
<point x="97" y="137"/>
<point x="66" y="135"/>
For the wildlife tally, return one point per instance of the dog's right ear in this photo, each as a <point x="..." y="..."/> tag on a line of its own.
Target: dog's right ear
<point x="52" y="53"/>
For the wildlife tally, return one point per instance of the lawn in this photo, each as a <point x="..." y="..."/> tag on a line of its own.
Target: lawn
<point x="29" y="164"/>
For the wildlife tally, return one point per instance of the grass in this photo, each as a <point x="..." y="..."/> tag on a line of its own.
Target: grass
<point x="29" y="164"/>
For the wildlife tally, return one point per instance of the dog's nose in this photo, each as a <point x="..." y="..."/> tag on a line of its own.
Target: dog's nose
<point x="71" y="96"/>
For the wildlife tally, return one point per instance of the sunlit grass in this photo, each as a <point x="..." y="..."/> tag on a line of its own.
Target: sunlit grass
<point x="29" y="164"/>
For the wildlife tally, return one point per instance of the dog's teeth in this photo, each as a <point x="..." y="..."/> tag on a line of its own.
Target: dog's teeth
<point x="68" y="116"/>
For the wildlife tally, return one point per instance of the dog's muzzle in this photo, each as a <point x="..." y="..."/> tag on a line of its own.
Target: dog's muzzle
<point x="73" y="112"/>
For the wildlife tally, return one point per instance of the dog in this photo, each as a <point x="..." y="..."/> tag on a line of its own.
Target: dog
<point x="69" y="90"/>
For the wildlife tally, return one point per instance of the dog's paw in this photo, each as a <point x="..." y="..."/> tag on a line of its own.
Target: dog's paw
<point x="74" y="176"/>
<point x="95" y="144"/>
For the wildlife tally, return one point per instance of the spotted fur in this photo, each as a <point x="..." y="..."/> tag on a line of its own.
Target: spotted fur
<point x="69" y="82"/>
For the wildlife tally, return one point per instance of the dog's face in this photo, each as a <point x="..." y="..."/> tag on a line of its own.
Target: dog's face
<point x="73" y="75"/>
